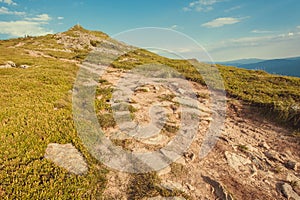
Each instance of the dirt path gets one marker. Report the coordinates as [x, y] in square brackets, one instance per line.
[249, 161]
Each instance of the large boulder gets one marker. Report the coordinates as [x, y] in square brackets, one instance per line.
[68, 157]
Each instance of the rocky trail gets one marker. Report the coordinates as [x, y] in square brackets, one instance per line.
[252, 159]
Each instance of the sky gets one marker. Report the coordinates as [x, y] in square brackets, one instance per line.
[226, 29]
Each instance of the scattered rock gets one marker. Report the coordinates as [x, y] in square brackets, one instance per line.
[288, 192]
[173, 186]
[164, 171]
[24, 66]
[292, 178]
[294, 182]
[156, 140]
[190, 187]
[273, 155]
[11, 64]
[165, 198]
[264, 145]
[235, 161]
[190, 156]
[219, 189]
[67, 156]
[181, 161]
[156, 88]
[290, 164]
[142, 89]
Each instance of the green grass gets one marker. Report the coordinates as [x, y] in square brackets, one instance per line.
[36, 110]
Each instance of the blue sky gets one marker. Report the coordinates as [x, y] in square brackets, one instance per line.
[227, 29]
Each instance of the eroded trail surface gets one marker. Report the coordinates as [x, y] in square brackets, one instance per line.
[252, 158]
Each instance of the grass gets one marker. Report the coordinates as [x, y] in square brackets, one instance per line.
[243, 148]
[36, 110]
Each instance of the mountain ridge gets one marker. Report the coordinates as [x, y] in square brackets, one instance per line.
[281, 66]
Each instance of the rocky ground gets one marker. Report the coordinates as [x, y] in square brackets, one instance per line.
[253, 158]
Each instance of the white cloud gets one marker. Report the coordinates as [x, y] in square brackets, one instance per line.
[174, 26]
[9, 2]
[60, 18]
[298, 27]
[201, 5]
[276, 45]
[221, 22]
[258, 41]
[233, 8]
[22, 28]
[42, 17]
[6, 11]
[261, 31]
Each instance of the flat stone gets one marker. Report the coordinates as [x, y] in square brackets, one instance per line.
[164, 171]
[272, 155]
[11, 63]
[288, 192]
[173, 186]
[142, 89]
[292, 178]
[68, 157]
[219, 189]
[235, 161]
[165, 198]
[290, 164]
[156, 140]
[24, 66]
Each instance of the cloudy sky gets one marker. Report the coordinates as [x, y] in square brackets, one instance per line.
[227, 29]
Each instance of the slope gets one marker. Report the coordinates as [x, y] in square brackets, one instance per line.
[36, 109]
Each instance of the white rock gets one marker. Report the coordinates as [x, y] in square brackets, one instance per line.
[68, 157]
[235, 161]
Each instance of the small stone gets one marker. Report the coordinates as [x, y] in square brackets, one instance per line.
[164, 171]
[264, 145]
[235, 161]
[181, 161]
[291, 165]
[190, 187]
[142, 89]
[190, 156]
[11, 63]
[172, 186]
[219, 189]
[165, 198]
[208, 119]
[156, 88]
[288, 192]
[24, 66]
[272, 155]
[292, 178]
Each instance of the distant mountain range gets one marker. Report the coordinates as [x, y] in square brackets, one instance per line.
[283, 66]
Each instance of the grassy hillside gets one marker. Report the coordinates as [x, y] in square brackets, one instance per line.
[36, 109]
